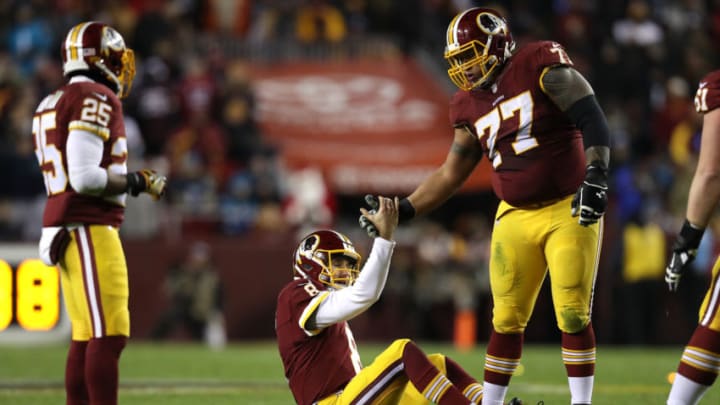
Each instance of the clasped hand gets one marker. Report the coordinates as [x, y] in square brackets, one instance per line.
[365, 223]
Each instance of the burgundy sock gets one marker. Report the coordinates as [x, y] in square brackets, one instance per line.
[459, 377]
[468, 385]
[422, 372]
[579, 352]
[101, 369]
[703, 339]
[75, 388]
[506, 348]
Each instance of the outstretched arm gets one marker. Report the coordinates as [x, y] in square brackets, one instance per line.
[345, 304]
[349, 302]
[463, 157]
[465, 153]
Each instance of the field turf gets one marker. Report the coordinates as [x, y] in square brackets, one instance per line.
[251, 373]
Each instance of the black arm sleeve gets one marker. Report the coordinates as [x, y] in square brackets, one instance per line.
[589, 118]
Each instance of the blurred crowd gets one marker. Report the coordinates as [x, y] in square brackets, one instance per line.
[192, 114]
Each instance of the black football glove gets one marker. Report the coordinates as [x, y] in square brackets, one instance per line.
[148, 181]
[683, 253]
[590, 199]
[365, 223]
[406, 212]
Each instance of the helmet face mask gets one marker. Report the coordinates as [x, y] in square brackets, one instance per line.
[478, 45]
[98, 48]
[340, 271]
[327, 258]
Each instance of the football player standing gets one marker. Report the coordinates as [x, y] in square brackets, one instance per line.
[318, 351]
[538, 122]
[700, 362]
[80, 145]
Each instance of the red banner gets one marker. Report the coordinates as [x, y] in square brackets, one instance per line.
[369, 126]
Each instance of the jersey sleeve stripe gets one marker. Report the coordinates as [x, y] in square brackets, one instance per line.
[540, 80]
[309, 310]
[102, 132]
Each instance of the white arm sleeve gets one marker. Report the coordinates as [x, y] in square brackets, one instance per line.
[84, 153]
[347, 303]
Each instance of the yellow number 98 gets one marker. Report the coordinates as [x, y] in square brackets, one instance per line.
[38, 289]
[5, 294]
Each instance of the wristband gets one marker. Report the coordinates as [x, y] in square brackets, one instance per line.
[597, 172]
[406, 211]
[690, 235]
[135, 183]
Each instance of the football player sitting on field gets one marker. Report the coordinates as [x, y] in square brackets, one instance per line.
[321, 360]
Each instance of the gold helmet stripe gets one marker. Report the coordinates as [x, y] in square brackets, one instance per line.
[452, 28]
[69, 41]
[74, 41]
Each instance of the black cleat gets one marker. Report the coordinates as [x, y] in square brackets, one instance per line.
[515, 401]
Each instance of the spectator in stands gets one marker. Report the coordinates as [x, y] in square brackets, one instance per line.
[238, 115]
[29, 39]
[433, 285]
[23, 195]
[309, 203]
[642, 273]
[676, 108]
[319, 21]
[154, 102]
[639, 39]
[239, 208]
[227, 17]
[469, 275]
[195, 293]
[197, 149]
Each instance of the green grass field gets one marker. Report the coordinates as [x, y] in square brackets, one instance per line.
[251, 373]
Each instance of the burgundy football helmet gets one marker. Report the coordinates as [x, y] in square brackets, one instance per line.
[96, 47]
[477, 37]
[314, 260]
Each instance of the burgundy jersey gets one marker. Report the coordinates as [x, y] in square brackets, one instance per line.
[317, 363]
[707, 97]
[536, 152]
[94, 108]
